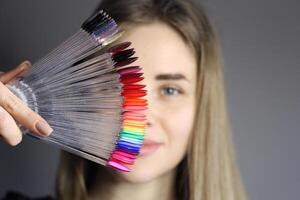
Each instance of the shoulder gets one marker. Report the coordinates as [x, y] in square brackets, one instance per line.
[12, 195]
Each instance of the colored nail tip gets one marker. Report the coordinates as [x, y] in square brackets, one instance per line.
[140, 100]
[140, 125]
[138, 137]
[136, 90]
[128, 70]
[135, 108]
[128, 155]
[133, 122]
[135, 118]
[132, 80]
[129, 142]
[131, 75]
[144, 104]
[123, 55]
[124, 52]
[125, 62]
[133, 128]
[130, 147]
[135, 100]
[132, 91]
[123, 159]
[129, 150]
[134, 104]
[140, 134]
[135, 94]
[118, 166]
[133, 114]
[132, 140]
[119, 47]
[133, 87]
[99, 19]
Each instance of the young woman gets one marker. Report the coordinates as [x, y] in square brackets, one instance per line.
[188, 152]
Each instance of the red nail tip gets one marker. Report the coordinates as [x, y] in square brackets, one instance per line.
[128, 155]
[133, 87]
[131, 80]
[137, 95]
[126, 62]
[115, 49]
[123, 159]
[134, 91]
[132, 75]
[132, 113]
[136, 99]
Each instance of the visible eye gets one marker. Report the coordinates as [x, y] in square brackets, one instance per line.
[170, 90]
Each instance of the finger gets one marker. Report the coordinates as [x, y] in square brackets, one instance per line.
[9, 131]
[10, 75]
[23, 114]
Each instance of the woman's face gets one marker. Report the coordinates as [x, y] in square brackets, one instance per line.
[169, 68]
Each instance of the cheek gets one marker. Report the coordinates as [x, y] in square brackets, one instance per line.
[177, 127]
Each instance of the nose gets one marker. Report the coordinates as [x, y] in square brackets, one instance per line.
[149, 111]
[148, 123]
[149, 114]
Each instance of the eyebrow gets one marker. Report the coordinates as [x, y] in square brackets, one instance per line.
[171, 77]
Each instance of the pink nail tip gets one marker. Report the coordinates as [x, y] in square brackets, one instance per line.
[118, 166]
[121, 153]
[123, 159]
[135, 108]
[134, 114]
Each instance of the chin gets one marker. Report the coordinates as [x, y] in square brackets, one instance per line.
[146, 170]
[141, 173]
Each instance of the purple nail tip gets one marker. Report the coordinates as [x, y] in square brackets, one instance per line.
[126, 62]
[119, 47]
[129, 70]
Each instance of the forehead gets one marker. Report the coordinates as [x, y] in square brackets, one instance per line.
[160, 49]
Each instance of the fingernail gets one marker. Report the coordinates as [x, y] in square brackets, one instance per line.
[24, 65]
[43, 128]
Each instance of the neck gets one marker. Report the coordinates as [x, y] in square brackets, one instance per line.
[109, 186]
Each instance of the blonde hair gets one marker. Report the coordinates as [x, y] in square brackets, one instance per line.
[209, 170]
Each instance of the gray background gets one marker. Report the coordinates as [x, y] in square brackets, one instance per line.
[261, 52]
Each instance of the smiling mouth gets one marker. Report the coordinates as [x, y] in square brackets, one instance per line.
[149, 147]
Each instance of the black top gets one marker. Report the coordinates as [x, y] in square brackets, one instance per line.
[18, 196]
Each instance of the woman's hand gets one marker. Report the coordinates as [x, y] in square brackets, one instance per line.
[13, 110]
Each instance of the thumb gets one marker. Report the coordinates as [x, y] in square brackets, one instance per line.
[14, 73]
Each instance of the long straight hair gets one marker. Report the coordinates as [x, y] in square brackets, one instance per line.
[209, 170]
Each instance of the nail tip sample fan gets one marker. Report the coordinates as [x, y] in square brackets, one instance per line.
[90, 95]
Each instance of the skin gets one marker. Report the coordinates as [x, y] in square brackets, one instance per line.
[169, 68]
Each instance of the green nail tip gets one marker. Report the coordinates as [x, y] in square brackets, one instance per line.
[129, 135]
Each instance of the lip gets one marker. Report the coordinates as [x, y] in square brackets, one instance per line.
[149, 147]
